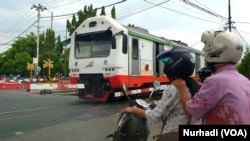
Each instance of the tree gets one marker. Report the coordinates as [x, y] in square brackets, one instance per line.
[103, 11]
[8, 67]
[59, 46]
[58, 66]
[49, 41]
[113, 14]
[244, 66]
[131, 25]
[25, 44]
[81, 16]
[22, 58]
[65, 61]
[14, 61]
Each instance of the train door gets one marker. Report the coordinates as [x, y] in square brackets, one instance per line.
[135, 58]
[158, 66]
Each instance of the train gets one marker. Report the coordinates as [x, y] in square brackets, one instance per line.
[105, 54]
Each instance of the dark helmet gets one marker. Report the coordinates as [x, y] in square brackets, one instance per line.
[177, 62]
[203, 73]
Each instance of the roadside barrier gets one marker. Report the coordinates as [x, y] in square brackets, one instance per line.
[42, 86]
[11, 86]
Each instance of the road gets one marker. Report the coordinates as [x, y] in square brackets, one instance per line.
[26, 116]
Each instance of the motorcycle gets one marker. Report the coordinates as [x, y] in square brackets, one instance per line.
[131, 127]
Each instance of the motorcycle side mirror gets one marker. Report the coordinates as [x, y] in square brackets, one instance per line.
[156, 85]
[125, 91]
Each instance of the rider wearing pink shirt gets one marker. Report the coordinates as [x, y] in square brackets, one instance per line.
[224, 97]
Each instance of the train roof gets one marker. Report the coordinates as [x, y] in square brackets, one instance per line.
[141, 32]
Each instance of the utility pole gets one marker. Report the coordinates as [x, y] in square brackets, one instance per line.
[51, 34]
[65, 47]
[50, 38]
[38, 8]
[229, 16]
[51, 20]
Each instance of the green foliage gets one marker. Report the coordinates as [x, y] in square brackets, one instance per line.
[113, 12]
[22, 58]
[81, 16]
[49, 41]
[244, 66]
[131, 25]
[59, 46]
[8, 67]
[57, 64]
[103, 11]
[27, 44]
[14, 61]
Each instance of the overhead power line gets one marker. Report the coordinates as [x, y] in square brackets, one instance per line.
[203, 9]
[19, 35]
[142, 10]
[159, 5]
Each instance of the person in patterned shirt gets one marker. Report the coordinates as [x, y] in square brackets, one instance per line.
[224, 97]
[178, 63]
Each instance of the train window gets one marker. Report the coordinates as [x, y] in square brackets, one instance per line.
[92, 24]
[92, 45]
[135, 49]
[197, 62]
[113, 42]
[125, 44]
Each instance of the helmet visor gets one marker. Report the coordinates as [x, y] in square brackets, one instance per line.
[165, 60]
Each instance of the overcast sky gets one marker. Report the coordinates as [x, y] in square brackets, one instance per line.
[171, 19]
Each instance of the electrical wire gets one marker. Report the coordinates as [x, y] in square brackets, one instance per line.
[64, 4]
[237, 32]
[64, 15]
[18, 34]
[203, 9]
[192, 10]
[142, 10]
[20, 23]
[126, 12]
[184, 13]
[51, 3]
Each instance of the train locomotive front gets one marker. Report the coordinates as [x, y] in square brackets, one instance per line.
[105, 54]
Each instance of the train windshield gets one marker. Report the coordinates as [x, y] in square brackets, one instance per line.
[93, 45]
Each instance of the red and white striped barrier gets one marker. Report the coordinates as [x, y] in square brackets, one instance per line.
[52, 86]
[14, 86]
[55, 86]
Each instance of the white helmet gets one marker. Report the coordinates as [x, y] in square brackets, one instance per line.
[221, 46]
